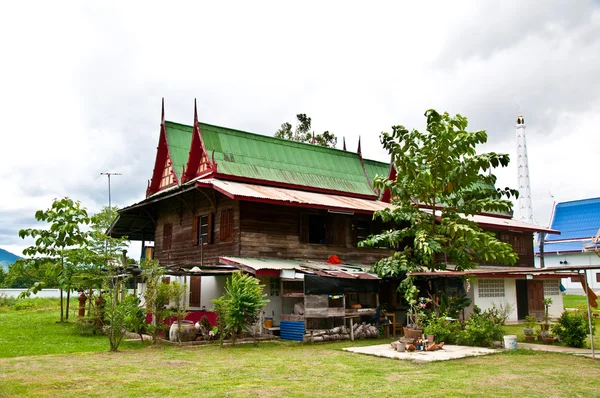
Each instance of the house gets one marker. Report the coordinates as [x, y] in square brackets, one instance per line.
[577, 245]
[222, 199]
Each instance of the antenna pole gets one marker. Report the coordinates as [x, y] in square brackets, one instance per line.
[108, 174]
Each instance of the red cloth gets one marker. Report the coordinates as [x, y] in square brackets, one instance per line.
[334, 259]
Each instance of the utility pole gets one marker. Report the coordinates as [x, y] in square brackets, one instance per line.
[108, 174]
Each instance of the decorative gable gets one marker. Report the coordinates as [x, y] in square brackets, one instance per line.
[198, 161]
[164, 173]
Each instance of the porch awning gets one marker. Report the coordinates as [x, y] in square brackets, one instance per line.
[341, 271]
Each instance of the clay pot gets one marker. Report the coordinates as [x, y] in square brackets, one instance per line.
[530, 338]
[412, 333]
[188, 331]
[528, 331]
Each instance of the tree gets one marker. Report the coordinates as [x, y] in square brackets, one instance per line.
[440, 180]
[303, 133]
[26, 273]
[65, 218]
[157, 296]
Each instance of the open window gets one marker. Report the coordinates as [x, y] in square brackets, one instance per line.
[330, 229]
[202, 229]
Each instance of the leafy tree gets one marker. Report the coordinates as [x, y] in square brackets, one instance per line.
[26, 273]
[241, 303]
[156, 296]
[303, 132]
[440, 180]
[65, 218]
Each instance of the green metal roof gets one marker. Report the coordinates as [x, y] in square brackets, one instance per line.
[242, 154]
[179, 139]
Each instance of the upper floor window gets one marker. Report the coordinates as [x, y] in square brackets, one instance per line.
[167, 236]
[202, 229]
[226, 225]
[519, 242]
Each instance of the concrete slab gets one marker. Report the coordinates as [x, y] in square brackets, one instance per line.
[447, 353]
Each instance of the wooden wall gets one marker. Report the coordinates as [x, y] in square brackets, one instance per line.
[522, 243]
[180, 212]
[272, 231]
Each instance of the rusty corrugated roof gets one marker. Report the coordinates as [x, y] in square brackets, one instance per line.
[262, 193]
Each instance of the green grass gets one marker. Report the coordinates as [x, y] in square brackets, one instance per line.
[575, 301]
[36, 332]
[267, 369]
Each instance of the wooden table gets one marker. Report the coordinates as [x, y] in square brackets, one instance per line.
[392, 317]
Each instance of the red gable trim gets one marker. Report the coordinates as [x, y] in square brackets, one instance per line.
[162, 153]
[387, 195]
[197, 151]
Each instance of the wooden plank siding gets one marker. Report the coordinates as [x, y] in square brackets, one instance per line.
[272, 231]
[180, 213]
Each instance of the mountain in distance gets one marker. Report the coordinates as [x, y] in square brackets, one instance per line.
[7, 258]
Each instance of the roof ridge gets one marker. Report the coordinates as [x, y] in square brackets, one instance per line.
[578, 200]
[282, 140]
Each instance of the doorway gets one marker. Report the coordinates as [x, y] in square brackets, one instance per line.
[522, 301]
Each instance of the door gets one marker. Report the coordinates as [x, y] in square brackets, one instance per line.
[535, 297]
[195, 283]
[522, 302]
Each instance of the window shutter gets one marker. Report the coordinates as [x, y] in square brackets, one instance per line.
[195, 224]
[209, 238]
[303, 228]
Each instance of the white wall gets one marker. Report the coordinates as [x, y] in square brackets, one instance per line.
[211, 287]
[573, 259]
[510, 298]
[53, 293]
[274, 306]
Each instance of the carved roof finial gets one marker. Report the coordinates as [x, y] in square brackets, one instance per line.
[520, 119]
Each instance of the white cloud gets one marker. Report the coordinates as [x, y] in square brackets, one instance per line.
[82, 83]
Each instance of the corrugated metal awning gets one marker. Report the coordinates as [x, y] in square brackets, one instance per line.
[253, 265]
[292, 197]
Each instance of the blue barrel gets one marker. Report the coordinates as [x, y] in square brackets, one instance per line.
[291, 330]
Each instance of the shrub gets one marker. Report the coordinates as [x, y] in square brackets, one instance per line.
[442, 329]
[572, 328]
[6, 301]
[482, 329]
[241, 303]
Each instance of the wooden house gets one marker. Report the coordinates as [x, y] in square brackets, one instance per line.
[222, 199]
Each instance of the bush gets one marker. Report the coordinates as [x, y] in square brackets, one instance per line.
[241, 304]
[442, 329]
[482, 329]
[6, 301]
[572, 328]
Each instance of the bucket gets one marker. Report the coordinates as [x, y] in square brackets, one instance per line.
[510, 342]
[268, 322]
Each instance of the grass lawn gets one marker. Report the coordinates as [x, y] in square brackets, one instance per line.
[271, 369]
[576, 301]
[35, 332]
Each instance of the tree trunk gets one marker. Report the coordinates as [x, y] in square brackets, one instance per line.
[61, 306]
[68, 300]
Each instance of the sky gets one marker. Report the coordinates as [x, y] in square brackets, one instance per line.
[81, 85]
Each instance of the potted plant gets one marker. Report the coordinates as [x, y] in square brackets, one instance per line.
[416, 316]
[530, 322]
[546, 325]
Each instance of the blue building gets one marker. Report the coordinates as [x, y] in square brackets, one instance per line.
[578, 244]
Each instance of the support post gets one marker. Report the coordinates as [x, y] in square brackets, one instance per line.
[587, 296]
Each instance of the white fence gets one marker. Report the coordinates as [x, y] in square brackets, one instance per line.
[53, 293]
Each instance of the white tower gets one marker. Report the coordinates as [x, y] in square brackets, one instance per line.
[525, 207]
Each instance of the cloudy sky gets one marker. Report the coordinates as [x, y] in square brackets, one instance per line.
[81, 85]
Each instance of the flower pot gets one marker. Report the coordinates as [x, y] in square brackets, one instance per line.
[548, 340]
[528, 331]
[529, 338]
[400, 347]
[412, 333]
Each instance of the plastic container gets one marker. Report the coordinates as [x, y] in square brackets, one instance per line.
[268, 322]
[510, 342]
